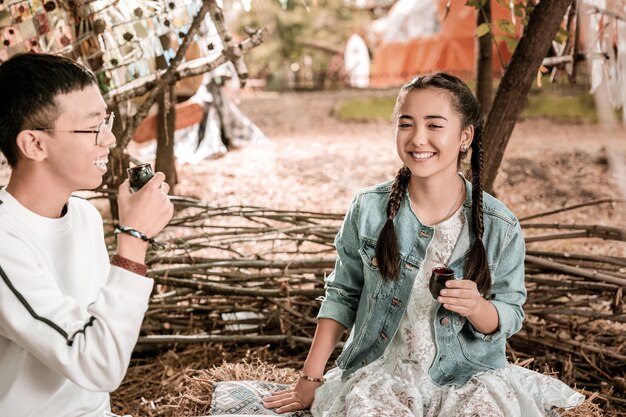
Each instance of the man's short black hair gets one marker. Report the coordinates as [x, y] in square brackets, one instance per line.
[29, 85]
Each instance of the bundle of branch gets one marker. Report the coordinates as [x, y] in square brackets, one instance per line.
[575, 314]
[249, 276]
[238, 275]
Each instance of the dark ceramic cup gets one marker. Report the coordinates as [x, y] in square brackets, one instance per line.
[139, 176]
[438, 280]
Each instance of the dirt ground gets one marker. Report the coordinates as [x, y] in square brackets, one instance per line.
[313, 161]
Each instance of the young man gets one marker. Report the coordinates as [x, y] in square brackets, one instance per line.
[69, 317]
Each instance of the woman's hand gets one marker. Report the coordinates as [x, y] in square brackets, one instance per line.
[299, 397]
[462, 297]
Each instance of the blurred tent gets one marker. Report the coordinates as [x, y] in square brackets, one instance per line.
[357, 61]
[418, 36]
[207, 125]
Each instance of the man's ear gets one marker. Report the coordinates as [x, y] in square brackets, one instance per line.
[31, 145]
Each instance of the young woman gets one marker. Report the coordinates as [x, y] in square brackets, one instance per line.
[410, 354]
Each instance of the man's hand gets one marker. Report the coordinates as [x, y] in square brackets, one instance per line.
[147, 211]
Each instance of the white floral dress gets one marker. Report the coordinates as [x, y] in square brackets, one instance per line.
[398, 384]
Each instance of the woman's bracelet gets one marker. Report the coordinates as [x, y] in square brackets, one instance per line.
[137, 234]
[312, 378]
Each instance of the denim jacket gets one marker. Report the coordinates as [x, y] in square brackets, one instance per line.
[359, 299]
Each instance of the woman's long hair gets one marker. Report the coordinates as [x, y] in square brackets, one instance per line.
[467, 107]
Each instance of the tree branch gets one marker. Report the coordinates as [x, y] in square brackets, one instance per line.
[511, 95]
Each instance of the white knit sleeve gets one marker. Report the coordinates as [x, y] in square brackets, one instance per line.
[92, 346]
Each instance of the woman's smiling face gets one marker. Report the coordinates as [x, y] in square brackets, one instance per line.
[429, 133]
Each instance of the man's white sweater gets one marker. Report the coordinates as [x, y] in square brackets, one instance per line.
[68, 319]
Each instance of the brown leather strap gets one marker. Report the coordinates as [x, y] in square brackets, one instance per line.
[127, 264]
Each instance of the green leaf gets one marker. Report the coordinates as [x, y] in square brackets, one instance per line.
[510, 41]
[506, 26]
[562, 35]
[519, 9]
[511, 44]
[482, 29]
[477, 4]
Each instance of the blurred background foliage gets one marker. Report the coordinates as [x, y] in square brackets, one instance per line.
[304, 37]
[560, 102]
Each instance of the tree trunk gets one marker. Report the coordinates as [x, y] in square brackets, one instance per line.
[118, 162]
[166, 125]
[570, 48]
[220, 108]
[515, 84]
[576, 47]
[484, 79]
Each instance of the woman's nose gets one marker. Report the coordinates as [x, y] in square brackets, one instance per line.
[419, 137]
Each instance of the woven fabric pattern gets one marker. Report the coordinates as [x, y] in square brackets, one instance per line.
[244, 397]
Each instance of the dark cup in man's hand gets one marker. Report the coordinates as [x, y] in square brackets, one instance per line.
[139, 176]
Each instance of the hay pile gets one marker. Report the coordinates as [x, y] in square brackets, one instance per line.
[181, 383]
[178, 390]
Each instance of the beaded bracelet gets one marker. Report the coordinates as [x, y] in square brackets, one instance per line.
[312, 378]
[137, 234]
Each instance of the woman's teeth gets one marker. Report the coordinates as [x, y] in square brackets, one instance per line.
[422, 155]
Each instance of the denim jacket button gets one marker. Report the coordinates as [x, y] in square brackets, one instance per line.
[396, 302]
[423, 234]
[383, 336]
[449, 377]
[374, 262]
[444, 321]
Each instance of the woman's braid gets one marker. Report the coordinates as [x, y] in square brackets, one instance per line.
[387, 250]
[477, 265]
[477, 186]
[398, 189]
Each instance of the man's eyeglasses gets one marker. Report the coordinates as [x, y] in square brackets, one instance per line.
[105, 126]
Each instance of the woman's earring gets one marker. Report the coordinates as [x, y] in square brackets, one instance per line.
[464, 148]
